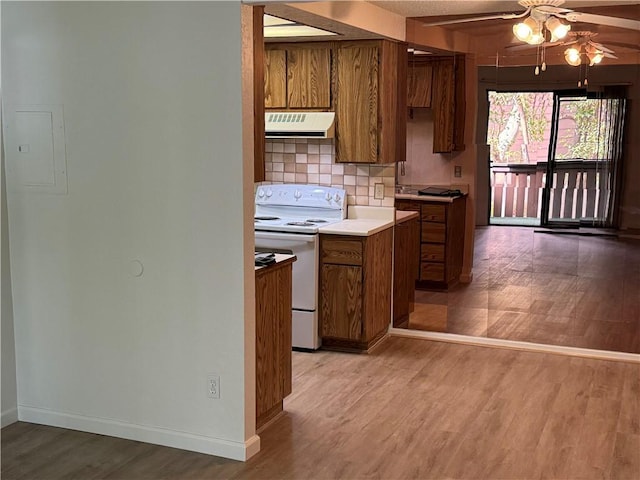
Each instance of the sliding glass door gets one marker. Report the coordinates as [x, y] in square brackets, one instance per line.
[583, 163]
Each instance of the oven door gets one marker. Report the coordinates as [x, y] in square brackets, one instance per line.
[305, 277]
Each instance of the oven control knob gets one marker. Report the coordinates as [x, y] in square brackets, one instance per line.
[269, 193]
[297, 194]
[336, 197]
[260, 193]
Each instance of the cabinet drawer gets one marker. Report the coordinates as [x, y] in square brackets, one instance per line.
[408, 205]
[432, 253]
[432, 271]
[433, 232]
[434, 213]
[341, 251]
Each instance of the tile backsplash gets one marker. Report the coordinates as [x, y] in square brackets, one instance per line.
[312, 161]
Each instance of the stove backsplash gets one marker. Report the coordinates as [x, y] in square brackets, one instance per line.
[312, 162]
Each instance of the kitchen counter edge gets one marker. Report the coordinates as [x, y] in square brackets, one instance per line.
[281, 259]
[357, 227]
[405, 215]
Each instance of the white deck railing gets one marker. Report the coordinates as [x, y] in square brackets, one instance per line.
[516, 191]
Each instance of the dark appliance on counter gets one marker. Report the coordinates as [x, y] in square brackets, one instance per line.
[440, 192]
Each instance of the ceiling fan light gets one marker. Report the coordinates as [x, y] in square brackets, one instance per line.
[525, 31]
[558, 29]
[522, 31]
[595, 57]
[536, 39]
[572, 57]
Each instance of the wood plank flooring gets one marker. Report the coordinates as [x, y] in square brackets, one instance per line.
[411, 409]
[576, 291]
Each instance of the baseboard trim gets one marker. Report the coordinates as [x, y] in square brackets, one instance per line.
[516, 345]
[8, 417]
[169, 438]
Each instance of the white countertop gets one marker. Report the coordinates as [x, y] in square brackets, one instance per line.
[360, 227]
[280, 257]
[362, 221]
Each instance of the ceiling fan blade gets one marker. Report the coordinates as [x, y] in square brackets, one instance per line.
[599, 46]
[552, 10]
[501, 16]
[630, 46]
[603, 20]
[609, 55]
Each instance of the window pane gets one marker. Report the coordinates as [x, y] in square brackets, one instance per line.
[583, 129]
[519, 126]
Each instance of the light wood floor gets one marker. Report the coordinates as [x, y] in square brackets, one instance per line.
[577, 291]
[412, 409]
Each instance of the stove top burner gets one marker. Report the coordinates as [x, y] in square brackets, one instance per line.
[266, 218]
[316, 220]
[300, 224]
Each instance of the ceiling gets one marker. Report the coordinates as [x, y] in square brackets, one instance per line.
[487, 35]
[422, 8]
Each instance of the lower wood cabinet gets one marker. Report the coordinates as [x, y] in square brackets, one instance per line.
[406, 254]
[273, 339]
[355, 286]
[442, 227]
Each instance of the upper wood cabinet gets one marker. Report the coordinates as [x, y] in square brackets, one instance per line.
[309, 77]
[443, 104]
[363, 82]
[357, 90]
[275, 79]
[370, 101]
[298, 76]
[439, 83]
[419, 84]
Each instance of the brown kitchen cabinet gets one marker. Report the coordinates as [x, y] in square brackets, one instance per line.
[273, 339]
[406, 254]
[419, 81]
[370, 101]
[298, 76]
[439, 83]
[355, 286]
[441, 241]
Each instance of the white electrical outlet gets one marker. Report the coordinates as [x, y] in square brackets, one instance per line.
[213, 386]
[378, 191]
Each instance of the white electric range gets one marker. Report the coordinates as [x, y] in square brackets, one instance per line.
[287, 219]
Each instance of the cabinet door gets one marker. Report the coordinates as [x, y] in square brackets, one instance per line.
[460, 106]
[309, 77]
[273, 337]
[402, 274]
[443, 106]
[357, 104]
[419, 87]
[341, 301]
[275, 78]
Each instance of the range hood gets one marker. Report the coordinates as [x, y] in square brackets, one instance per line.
[299, 124]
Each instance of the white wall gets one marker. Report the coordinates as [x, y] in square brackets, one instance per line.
[9, 394]
[151, 94]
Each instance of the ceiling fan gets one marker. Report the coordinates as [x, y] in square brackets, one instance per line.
[581, 46]
[549, 14]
